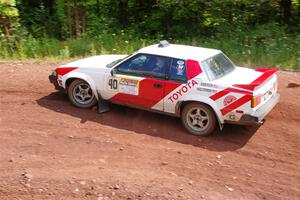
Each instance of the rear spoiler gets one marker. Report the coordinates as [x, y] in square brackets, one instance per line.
[267, 73]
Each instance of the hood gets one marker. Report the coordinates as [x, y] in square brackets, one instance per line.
[95, 61]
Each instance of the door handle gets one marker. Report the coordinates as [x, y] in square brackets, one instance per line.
[157, 85]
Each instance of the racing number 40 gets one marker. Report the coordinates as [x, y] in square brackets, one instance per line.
[113, 84]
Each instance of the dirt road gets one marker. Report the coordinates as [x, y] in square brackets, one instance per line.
[52, 150]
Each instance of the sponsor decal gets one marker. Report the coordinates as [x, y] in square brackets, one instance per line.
[241, 101]
[112, 84]
[182, 90]
[180, 67]
[206, 90]
[229, 99]
[129, 86]
[180, 62]
[124, 85]
[209, 85]
[128, 82]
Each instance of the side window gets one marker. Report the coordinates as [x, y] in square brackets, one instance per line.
[159, 66]
[145, 65]
[178, 70]
[134, 64]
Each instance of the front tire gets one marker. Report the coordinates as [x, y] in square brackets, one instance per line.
[198, 119]
[81, 94]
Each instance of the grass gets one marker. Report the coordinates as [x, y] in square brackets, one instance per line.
[253, 49]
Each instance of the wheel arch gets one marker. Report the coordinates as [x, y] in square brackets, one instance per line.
[200, 99]
[69, 78]
[69, 81]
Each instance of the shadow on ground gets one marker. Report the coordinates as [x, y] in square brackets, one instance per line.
[231, 138]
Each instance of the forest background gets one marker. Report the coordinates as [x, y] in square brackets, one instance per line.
[263, 33]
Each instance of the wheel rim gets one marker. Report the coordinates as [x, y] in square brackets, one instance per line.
[197, 119]
[83, 93]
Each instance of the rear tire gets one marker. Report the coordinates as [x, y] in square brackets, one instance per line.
[81, 94]
[198, 119]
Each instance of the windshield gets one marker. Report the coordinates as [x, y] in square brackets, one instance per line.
[110, 65]
[217, 66]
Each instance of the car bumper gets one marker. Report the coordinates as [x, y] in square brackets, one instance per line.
[53, 80]
[258, 116]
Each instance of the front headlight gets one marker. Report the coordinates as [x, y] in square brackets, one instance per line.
[54, 73]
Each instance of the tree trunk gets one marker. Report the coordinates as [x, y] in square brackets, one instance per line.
[299, 10]
[83, 19]
[286, 6]
[49, 5]
[6, 26]
[9, 23]
[123, 13]
[167, 20]
[98, 8]
[6, 29]
[77, 28]
[69, 18]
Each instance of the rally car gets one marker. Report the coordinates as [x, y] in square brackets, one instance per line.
[200, 85]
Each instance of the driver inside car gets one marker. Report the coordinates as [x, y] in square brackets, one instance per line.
[160, 64]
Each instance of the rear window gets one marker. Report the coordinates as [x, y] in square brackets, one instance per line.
[217, 66]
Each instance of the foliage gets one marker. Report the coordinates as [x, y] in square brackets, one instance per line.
[264, 46]
[7, 8]
[257, 32]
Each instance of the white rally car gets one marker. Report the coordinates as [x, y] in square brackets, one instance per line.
[200, 85]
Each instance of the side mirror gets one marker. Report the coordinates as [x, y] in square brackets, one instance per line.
[113, 71]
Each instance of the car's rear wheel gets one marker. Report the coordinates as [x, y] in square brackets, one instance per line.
[199, 119]
[81, 94]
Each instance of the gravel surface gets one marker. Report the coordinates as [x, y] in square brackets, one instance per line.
[52, 150]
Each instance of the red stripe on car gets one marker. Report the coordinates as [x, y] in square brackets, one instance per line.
[64, 70]
[266, 74]
[265, 69]
[193, 69]
[222, 93]
[244, 99]
[148, 95]
[219, 94]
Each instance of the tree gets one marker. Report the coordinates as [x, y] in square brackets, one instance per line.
[174, 18]
[7, 11]
[123, 12]
[286, 6]
[69, 18]
[77, 29]
[83, 14]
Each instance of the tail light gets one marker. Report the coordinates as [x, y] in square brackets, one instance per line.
[255, 101]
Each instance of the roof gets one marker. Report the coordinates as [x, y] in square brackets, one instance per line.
[180, 51]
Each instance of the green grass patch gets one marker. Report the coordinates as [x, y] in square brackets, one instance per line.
[264, 49]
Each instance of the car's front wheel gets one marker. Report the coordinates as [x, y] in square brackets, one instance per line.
[199, 119]
[81, 94]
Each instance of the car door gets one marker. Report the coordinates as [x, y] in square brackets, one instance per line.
[177, 77]
[139, 81]
[182, 79]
